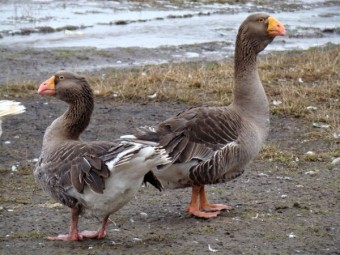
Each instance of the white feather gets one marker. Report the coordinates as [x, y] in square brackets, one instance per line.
[124, 156]
[128, 137]
[9, 107]
[132, 138]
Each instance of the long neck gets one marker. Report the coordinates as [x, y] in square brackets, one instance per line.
[73, 122]
[249, 94]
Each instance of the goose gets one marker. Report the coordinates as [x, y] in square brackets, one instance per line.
[94, 178]
[210, 145]
[9, 107]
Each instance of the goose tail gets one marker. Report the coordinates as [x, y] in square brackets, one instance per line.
[9, 107]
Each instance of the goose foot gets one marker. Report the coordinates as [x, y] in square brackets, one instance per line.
[74, 235]
[215, 207]
[194, 206]
[79, 236]
[69, 237]
[93, 234]
[205, 206]
[200, 207]
[100, 234]
[205, 215]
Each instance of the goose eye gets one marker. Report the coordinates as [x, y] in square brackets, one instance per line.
[261, 20]
[61, 77]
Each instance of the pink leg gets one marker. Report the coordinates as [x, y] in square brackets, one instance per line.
[73, 235]
[100, 234]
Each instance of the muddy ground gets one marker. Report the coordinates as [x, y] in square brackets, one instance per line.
[279, 209]
[290, 206]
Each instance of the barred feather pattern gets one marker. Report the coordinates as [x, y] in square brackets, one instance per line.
[222, 167]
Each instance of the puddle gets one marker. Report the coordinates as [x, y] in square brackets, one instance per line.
[111, 24]
[134, 33]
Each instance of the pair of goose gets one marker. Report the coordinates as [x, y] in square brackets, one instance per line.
[199, 146]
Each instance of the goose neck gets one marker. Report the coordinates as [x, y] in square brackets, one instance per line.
[73, 122]
[248, 91]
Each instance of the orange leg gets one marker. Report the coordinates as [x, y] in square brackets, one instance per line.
[194, 206]
[205, 206]
[74, 235]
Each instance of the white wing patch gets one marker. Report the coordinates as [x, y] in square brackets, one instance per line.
[123, 157]
[128, 137]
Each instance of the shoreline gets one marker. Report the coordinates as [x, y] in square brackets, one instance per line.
[32, 65]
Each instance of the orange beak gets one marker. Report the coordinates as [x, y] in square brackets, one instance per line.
[275, 28]
[47, 88]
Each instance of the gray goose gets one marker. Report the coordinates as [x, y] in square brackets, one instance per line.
[9, 107]
[93, 178]
[211, 145]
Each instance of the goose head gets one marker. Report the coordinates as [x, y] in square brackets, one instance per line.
[66, 86]
[258, 30]
[77, 93]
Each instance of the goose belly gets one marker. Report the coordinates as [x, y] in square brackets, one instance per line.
[175, 176]
[126, 177]
[119, 190]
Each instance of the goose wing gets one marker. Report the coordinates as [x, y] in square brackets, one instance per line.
[76, 164]
[196, 133]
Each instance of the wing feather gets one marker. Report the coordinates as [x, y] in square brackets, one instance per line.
[77, 178]
[95, 182]
[196, 133]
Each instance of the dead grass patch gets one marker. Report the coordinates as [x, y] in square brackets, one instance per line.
[274, 154]
[191, 83]
[306, 82]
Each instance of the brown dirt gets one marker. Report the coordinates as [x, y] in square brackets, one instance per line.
[279, 209]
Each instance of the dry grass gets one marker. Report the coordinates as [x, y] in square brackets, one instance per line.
[273, 153]
[308, 84]
[191, 83]
[298, 79]
[305, 79]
